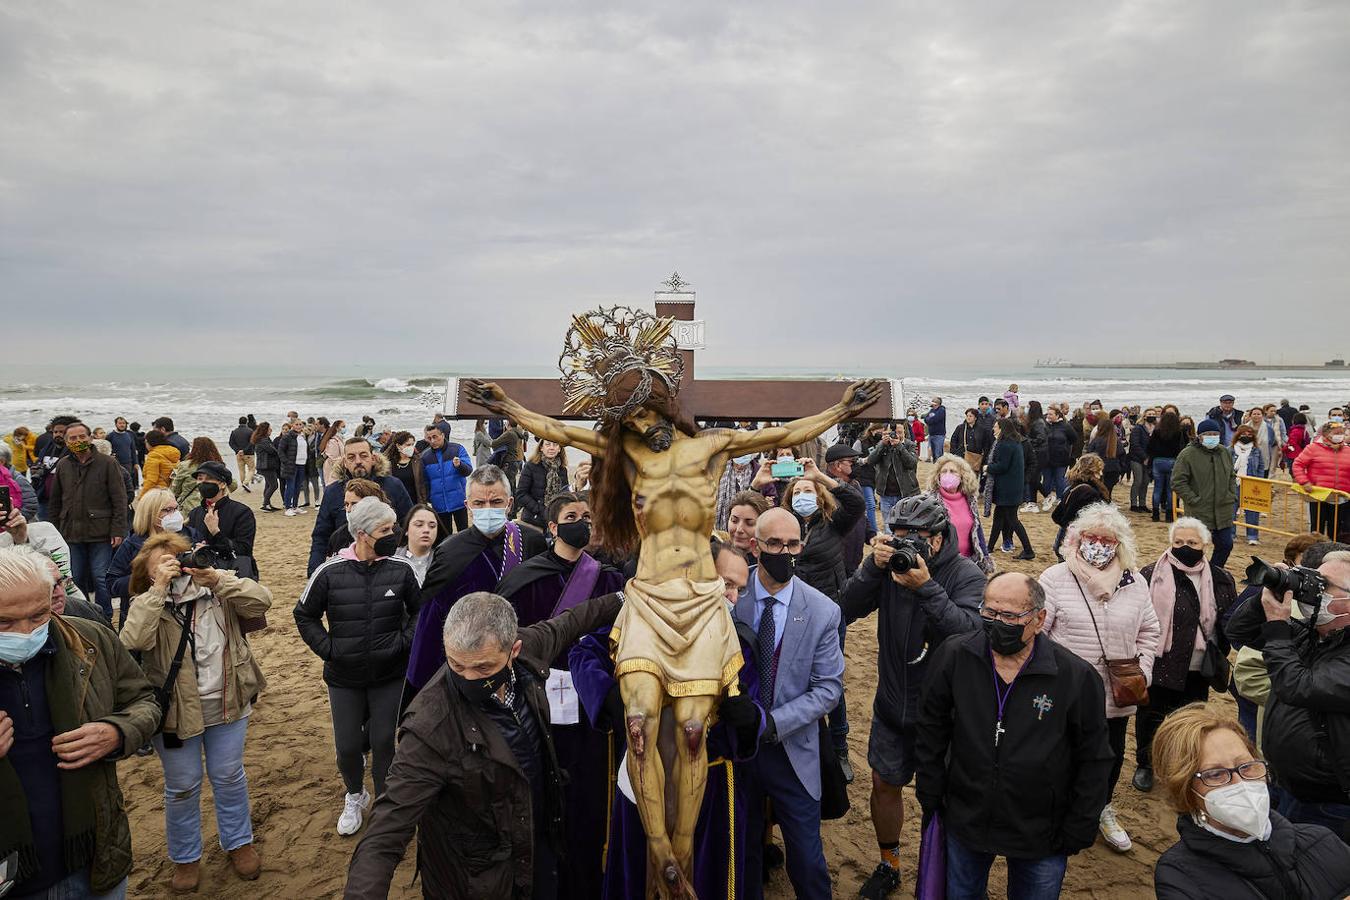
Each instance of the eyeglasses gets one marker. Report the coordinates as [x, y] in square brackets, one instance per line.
[1104, 539]
[1254, 770]
[1009, 618]
[774, 545]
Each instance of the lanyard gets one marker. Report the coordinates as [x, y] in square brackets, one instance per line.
[1002, 696]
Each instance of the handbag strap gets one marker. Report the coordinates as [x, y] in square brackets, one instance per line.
[1088, 604]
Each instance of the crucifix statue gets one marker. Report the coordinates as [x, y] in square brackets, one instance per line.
[674, 644]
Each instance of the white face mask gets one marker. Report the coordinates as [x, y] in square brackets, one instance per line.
[1243, 806]
[1324, 615]
[1097, 554]
[172, 522]
[1337, 438]
[408, 450]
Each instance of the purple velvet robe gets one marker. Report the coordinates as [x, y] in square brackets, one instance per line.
[720, 835]
[534, 588]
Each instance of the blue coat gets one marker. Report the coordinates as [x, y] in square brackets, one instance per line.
[445, 479]
[810, 679]
[936, 420]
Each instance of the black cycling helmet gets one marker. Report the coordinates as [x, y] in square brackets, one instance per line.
[922, 512]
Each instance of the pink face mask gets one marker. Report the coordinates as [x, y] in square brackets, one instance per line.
[949, 481]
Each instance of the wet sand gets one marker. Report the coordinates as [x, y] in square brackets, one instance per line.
[297, 793]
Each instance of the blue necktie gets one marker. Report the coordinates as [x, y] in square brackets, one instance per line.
[766, 650]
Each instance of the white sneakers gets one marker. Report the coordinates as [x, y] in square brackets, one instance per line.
[1047, 504]
[1029, 507]
[354, 813]
[290, 511]
[1115, 836]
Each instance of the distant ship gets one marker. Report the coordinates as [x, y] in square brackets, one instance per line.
[1332, 364]
[1054, 363]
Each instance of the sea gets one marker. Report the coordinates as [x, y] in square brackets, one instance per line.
[210, 400]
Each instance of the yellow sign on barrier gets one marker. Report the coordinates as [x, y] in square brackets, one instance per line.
[1256, 495]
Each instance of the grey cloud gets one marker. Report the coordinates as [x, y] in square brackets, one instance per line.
[940, 183]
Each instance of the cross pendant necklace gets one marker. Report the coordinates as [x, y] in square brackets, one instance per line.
[1001, 696]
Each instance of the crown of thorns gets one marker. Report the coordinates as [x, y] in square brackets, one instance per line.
[604, 345]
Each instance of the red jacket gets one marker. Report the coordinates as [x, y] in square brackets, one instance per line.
[1324, 465]
[1298, 439]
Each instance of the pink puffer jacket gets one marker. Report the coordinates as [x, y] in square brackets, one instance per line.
[1324, 465]
[1128, 624]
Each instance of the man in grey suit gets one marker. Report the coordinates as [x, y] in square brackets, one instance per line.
[801, 670]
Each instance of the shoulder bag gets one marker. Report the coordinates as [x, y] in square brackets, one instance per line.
[1125, 677]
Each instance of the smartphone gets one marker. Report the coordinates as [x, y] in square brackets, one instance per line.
[6, 505]
[787, 469]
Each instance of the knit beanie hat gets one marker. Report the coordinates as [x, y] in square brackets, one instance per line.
[1209, 425]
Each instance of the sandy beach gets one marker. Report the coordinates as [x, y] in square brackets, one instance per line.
[297, 793]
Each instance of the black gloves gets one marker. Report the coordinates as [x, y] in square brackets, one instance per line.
[741, 715]
[611, 715]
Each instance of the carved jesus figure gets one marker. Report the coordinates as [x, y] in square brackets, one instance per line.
[674, 642]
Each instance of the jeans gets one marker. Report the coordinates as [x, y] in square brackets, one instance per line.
[798, 817]
[290, 488]
[1139, 477]
[1007, 524]
[223, 746]
[1028, 879]
[361, 714]
[1162, 484]
[1115, 736]
[76, 886]
[870, 504]
[270, 488]
[1335, 816]
[1054, 481]
[89, 561]
[1223, 545]
[887, 504]
[935, 442]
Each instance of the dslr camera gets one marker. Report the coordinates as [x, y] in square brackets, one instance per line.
[1305, 584]
[203, 558]
[908, 551]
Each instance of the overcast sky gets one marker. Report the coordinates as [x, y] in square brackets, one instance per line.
[442, 183]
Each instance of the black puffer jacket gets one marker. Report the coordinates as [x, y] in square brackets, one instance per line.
[531, 492]
[821, 564]
[1306, 862]
[371, 610]
[1058, 444]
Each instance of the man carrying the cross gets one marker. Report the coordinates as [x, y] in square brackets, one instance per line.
[1012, 747]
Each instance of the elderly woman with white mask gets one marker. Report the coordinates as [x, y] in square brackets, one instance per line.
[1098, 606]
[369, 596]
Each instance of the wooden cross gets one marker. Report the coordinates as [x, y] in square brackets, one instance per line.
[705, 400]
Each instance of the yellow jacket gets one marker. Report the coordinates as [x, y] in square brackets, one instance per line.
[22, 451]
[157, 470]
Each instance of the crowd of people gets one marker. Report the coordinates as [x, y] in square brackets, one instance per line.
[461, 601]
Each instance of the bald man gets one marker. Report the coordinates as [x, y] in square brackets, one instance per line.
[801, 669]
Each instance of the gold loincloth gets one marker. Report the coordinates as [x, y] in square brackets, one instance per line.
[681, 632]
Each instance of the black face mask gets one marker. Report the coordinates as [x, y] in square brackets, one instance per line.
[575, 534]
[479, 691]
[1004, 639]
[385, 546]
[209, 490]
[780, 566]
[1150, 419]
[1188, 556]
